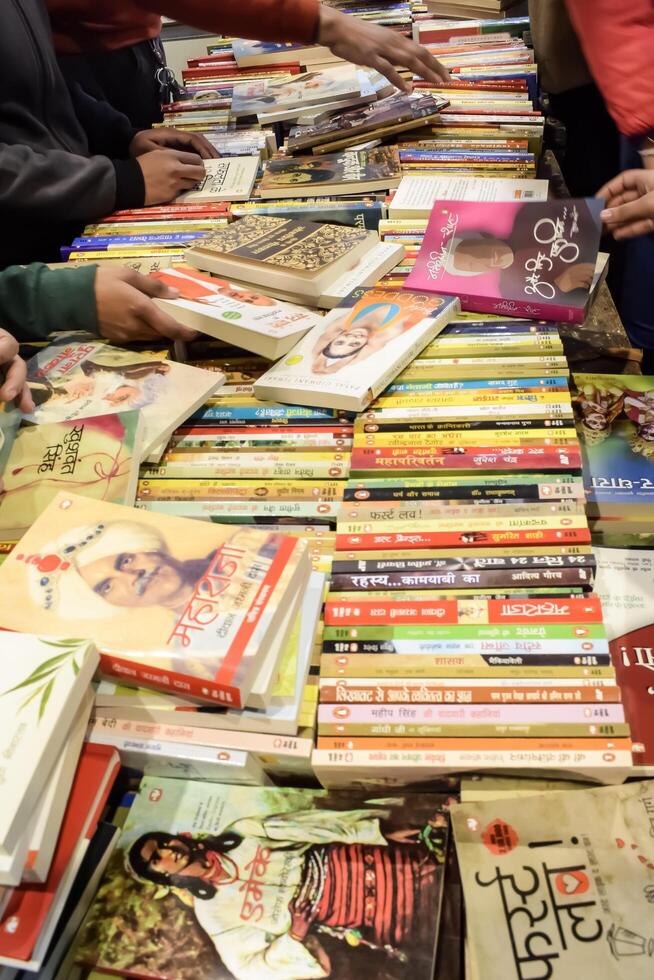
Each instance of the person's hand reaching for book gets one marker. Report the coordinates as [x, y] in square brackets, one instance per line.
[125, 310]
[169, 138]
[13, 387]
[629, 208]
[577, 276]
[167, 173]
[377, 47]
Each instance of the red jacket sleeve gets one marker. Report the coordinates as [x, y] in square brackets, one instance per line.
[260, 20]
[617, 37]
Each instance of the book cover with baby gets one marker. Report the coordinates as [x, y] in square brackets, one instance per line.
[533, 259]
[358, 349]
[183, 606]
[271, 883]
[72, 381]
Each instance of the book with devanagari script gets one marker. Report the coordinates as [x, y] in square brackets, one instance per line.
[271, 882]
[177, 605]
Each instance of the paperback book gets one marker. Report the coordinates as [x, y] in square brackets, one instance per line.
[519, 259]
[383, 329]
[297, 256]
[349, 172]
[74, 381]
[97, 457]
[244, 893]
[177, 605]
[226, 179]
[235, 314]
[263, 95]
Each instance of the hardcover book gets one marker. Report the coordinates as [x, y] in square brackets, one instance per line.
[520, 259]
[263, 95]
[349, 172]
[235, 314]
[176, 605]
[296, 256]
[256, 884]
[43, 684]
[227, 179]
[97, 457]
[74, 381]
[380, 329]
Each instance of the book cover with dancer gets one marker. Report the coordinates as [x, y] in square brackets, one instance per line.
[281, 884]
[514, 258]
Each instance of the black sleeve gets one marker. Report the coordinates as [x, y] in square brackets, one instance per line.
[108, 131]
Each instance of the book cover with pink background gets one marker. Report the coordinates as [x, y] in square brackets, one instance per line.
[514, 258]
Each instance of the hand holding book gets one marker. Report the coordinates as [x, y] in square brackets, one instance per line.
[629, 204]
[13, 374]
[125, 310]
[377, 47]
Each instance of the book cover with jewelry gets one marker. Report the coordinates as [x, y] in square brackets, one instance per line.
[73, 381]
[97, 457]
[559, 884]
[358, 349]
[178, 605]
[520, 259]
[275, 883]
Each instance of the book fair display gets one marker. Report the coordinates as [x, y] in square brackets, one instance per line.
[327, 635]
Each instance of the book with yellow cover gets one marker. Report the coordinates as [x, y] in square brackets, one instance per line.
[176, 605]
[96, 457]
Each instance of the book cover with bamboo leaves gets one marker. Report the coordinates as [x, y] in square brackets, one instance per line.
[43, 682]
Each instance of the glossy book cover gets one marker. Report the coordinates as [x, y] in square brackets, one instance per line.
[276, 883]
[625, 584]
[514, 258]
[361, 345]
[177, 605]
[97, 457]
[615, 420]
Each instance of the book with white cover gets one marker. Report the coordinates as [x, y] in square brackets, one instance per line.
[265, 95]
[235, 314]
[358, 349]
[30, 859]
[156, 757]
[226, 179]
[415, 196]
[44, 682]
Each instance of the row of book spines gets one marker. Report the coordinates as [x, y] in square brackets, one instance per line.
[359, 690]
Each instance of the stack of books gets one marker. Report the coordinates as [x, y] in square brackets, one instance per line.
[55, 789]
[460, 632]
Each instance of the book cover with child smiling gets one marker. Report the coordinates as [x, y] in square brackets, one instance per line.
[357, 350]
[516, 259]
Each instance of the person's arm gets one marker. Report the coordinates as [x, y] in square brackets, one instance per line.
[308, 22]
[618, 41]
[108, 131]
[111, 301]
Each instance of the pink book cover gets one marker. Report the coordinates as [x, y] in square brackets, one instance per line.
[468, 714]
[533, 259]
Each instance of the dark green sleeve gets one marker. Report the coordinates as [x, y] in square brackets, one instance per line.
[36, 300]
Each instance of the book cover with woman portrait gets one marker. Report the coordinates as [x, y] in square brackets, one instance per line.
[271, 884]
[514, 258]
[176, 605]
[358, 349]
